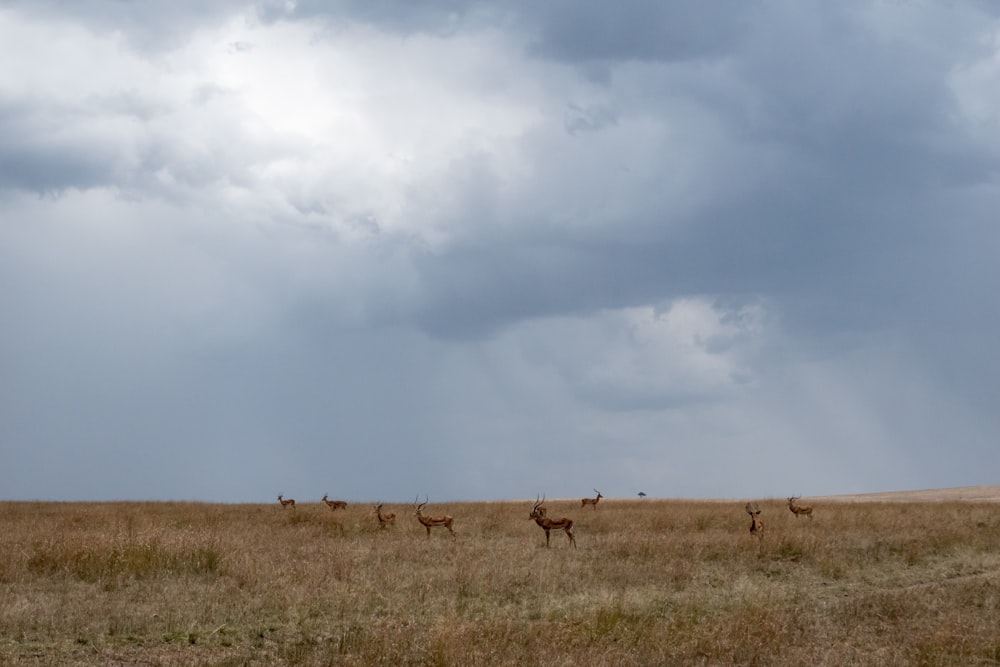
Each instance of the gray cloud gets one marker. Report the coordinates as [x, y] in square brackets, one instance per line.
[380, 250]
[639, 30]
[142, 28]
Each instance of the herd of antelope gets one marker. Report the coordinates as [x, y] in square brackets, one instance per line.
[757, 526]
[539, 513]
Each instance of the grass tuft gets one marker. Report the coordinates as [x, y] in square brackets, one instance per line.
[110, 560]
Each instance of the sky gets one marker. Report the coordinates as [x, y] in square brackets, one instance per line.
[477, 251]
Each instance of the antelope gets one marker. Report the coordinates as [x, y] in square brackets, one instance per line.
[431, 521]
[547, 524]
[385, 519]
[290, 502]
[335, 504]
[799, 509]
[591, 501]
[756, 525]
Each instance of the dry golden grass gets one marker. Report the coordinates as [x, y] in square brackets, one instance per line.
[651, 583]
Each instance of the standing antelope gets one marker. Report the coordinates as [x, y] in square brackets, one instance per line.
[547, 524]
[431, 521]
[756, 525]
[290, 502]
[385, 519]
[335, 504]
[799, 509]
[591, 501]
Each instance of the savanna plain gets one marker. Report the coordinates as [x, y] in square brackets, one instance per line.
[651, 582]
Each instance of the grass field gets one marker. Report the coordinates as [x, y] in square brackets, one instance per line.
[652, 582]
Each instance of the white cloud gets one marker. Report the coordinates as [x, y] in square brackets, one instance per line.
[648, 358]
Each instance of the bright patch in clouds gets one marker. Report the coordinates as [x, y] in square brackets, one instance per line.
[652, 358]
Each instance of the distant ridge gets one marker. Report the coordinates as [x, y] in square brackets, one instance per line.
[979, 494]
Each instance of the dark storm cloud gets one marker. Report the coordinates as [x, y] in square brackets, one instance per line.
[645, 30]
[102, 143]
[574, 32]
[870, 141]
[855, 233]
[42, 155]
[286, 239]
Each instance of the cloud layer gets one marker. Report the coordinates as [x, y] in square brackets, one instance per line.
[484, 251]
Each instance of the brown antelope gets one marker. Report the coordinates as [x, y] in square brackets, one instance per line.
[286, 502]
[431, 521]
[591, 501]
[547, 524]
[335, 504]
[385, 519]
[799, 509]
[756, 525]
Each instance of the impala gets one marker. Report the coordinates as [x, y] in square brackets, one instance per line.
[385, 519]
[431, 521]
[799, 509]
[335, 504]
[756, 525]
[286, 502]
[591, 501]
[547, 524]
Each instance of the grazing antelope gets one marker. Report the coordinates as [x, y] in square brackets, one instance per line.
[547, 524]
[385, 519]
[289, 502]
[756, 525]
[431, 521]
[335, 504]
[799, 509]
[591, 501]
